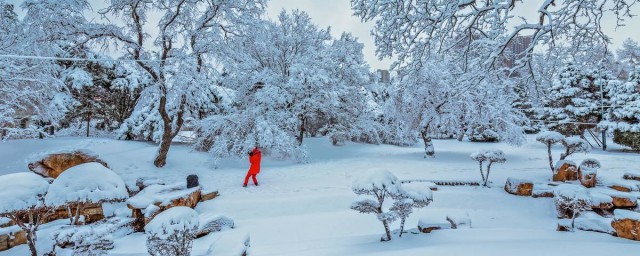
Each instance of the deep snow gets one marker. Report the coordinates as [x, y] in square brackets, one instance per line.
[303, 209]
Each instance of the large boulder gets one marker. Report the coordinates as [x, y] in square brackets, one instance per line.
[565, 170]
[155, 199]
[518, 187]
[52, 165]
[626, 224]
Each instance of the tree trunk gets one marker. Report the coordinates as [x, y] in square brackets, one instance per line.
[488, 171]
[550, 157]
[167, 132]
[165, 143]
[386, 230]
[428, 145]
[402, 226]
[88, 122]
[481, 171]
[31, 242]
[301, 131]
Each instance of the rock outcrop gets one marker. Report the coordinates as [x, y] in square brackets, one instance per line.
[52, 165]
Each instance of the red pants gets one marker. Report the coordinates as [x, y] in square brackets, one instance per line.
[253, 176]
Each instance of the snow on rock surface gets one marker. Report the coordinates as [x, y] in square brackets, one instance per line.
[171, 221]
[591, 221]
[90, 182]
[160, 194]
[620, 214]
[21, 191]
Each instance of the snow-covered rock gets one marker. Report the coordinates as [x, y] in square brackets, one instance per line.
[86, 183]
[626, 224]
[520, 187]
[631, 176]
[52, 165]
[542, 190]
[565, 170]
[22, 191]
[426, 225]
[588, 171]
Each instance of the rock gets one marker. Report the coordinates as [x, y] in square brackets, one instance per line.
[53, 165]
[518, 187]
[624, 202]
[620, 188]
[425, 226]
[192, 181]
[208, 196]
[11, 237]
[162, 197]
[601, 201]
[631, 176]
[565, 170]
[626, 224]
[587, 176]
[542, 190]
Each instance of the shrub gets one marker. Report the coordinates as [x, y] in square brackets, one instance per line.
[171, 233]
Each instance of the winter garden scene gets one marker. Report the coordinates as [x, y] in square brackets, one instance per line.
[308, 127]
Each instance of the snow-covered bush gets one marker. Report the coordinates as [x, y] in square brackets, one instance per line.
[171, 233]
[382, 185]
[412, 195]
[549, 138]
[491, 156]
[84, 241]
[574, 145]
[571, 200]
[22, 201]
[85, 184]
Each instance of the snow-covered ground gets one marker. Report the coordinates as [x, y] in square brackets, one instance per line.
[303, 209]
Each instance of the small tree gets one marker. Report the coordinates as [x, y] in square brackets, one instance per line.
[548, 139]
[573, 199]
[492, 156]
[574, 145]
[382, 185]
[172, 232]
[85, 184]
[22, 201]
[412, 195]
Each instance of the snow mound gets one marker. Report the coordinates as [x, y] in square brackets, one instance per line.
[21, 191]
[90, 182]
[620, 214]
[231, 243]
[376, 180]
[172, 221]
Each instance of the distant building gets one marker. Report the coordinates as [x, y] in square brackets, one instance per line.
[383, 76]
[516, 49]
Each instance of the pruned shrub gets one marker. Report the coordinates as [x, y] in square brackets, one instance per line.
[490, 156]
[171, 233]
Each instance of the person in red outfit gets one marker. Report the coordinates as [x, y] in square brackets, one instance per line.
[255, 156]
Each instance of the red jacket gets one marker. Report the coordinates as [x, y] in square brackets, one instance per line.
[254, 158]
